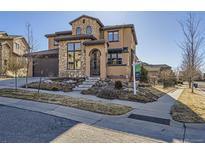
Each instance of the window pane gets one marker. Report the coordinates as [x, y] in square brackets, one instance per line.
[114, 58]
[71, 66]
[70, 60]
[114, 55]
[71, 57]
[77, 60]
[119, 55]
[70, 47]
[89, 30]
[78, 31]
[110, 36]
[119, 60]
[116, 36]
[77, 46]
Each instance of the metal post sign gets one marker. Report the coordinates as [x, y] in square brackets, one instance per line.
[137, 71]
[136, 74]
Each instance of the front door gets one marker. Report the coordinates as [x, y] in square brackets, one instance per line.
[95, 63]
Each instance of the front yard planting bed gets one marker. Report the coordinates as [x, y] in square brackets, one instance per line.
[190, 107]
[144, 94]
[56, 84]
[88, 105]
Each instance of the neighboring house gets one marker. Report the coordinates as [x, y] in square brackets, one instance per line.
[11, 46]
[89, 49]
[154, 71]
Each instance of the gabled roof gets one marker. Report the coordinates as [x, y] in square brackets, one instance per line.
[5, 43]
[11, 37]
[156, 67]
[86, 16]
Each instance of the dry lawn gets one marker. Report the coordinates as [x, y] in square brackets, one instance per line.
[89, 105]
[164, 90]
[191, 107]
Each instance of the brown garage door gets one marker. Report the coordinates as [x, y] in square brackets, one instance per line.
[47, 65]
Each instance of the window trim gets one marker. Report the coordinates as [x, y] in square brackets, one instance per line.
[73, 51]
[113, 36]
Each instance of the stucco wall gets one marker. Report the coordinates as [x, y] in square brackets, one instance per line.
[22, 47]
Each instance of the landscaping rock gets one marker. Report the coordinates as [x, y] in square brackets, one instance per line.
[48, 81]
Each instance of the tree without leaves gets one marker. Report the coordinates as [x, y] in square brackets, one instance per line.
[15, 65]
[192, 57]
[32, 46]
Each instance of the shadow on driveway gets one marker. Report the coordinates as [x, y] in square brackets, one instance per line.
[18, 125]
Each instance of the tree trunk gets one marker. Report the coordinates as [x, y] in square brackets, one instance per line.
[192, 88]
[39, 85]
[15, 81]
[189, 83]
[27, 74]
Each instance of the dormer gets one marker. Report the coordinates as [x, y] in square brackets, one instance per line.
[86, 25]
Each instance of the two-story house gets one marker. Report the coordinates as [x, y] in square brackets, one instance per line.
[89, 49]
[11, 46]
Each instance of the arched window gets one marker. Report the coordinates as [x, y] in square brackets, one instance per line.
[89, 30]
[78, 31]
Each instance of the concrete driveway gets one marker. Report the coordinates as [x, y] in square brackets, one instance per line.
[20, 81]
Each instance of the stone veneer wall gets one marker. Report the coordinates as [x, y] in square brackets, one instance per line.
[87, 22]
[63, 71]
[4, 55]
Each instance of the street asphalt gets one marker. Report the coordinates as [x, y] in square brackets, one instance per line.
[24, 126]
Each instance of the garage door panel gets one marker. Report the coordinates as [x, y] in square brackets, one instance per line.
[48, 67]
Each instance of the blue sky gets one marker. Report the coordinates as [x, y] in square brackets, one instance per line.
[157, 32]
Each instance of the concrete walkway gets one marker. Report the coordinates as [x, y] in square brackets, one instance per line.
[158, 132]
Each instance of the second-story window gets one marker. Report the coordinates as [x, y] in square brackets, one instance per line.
[17, 46]
[78, 31]
[89, 30]
[113, 36]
